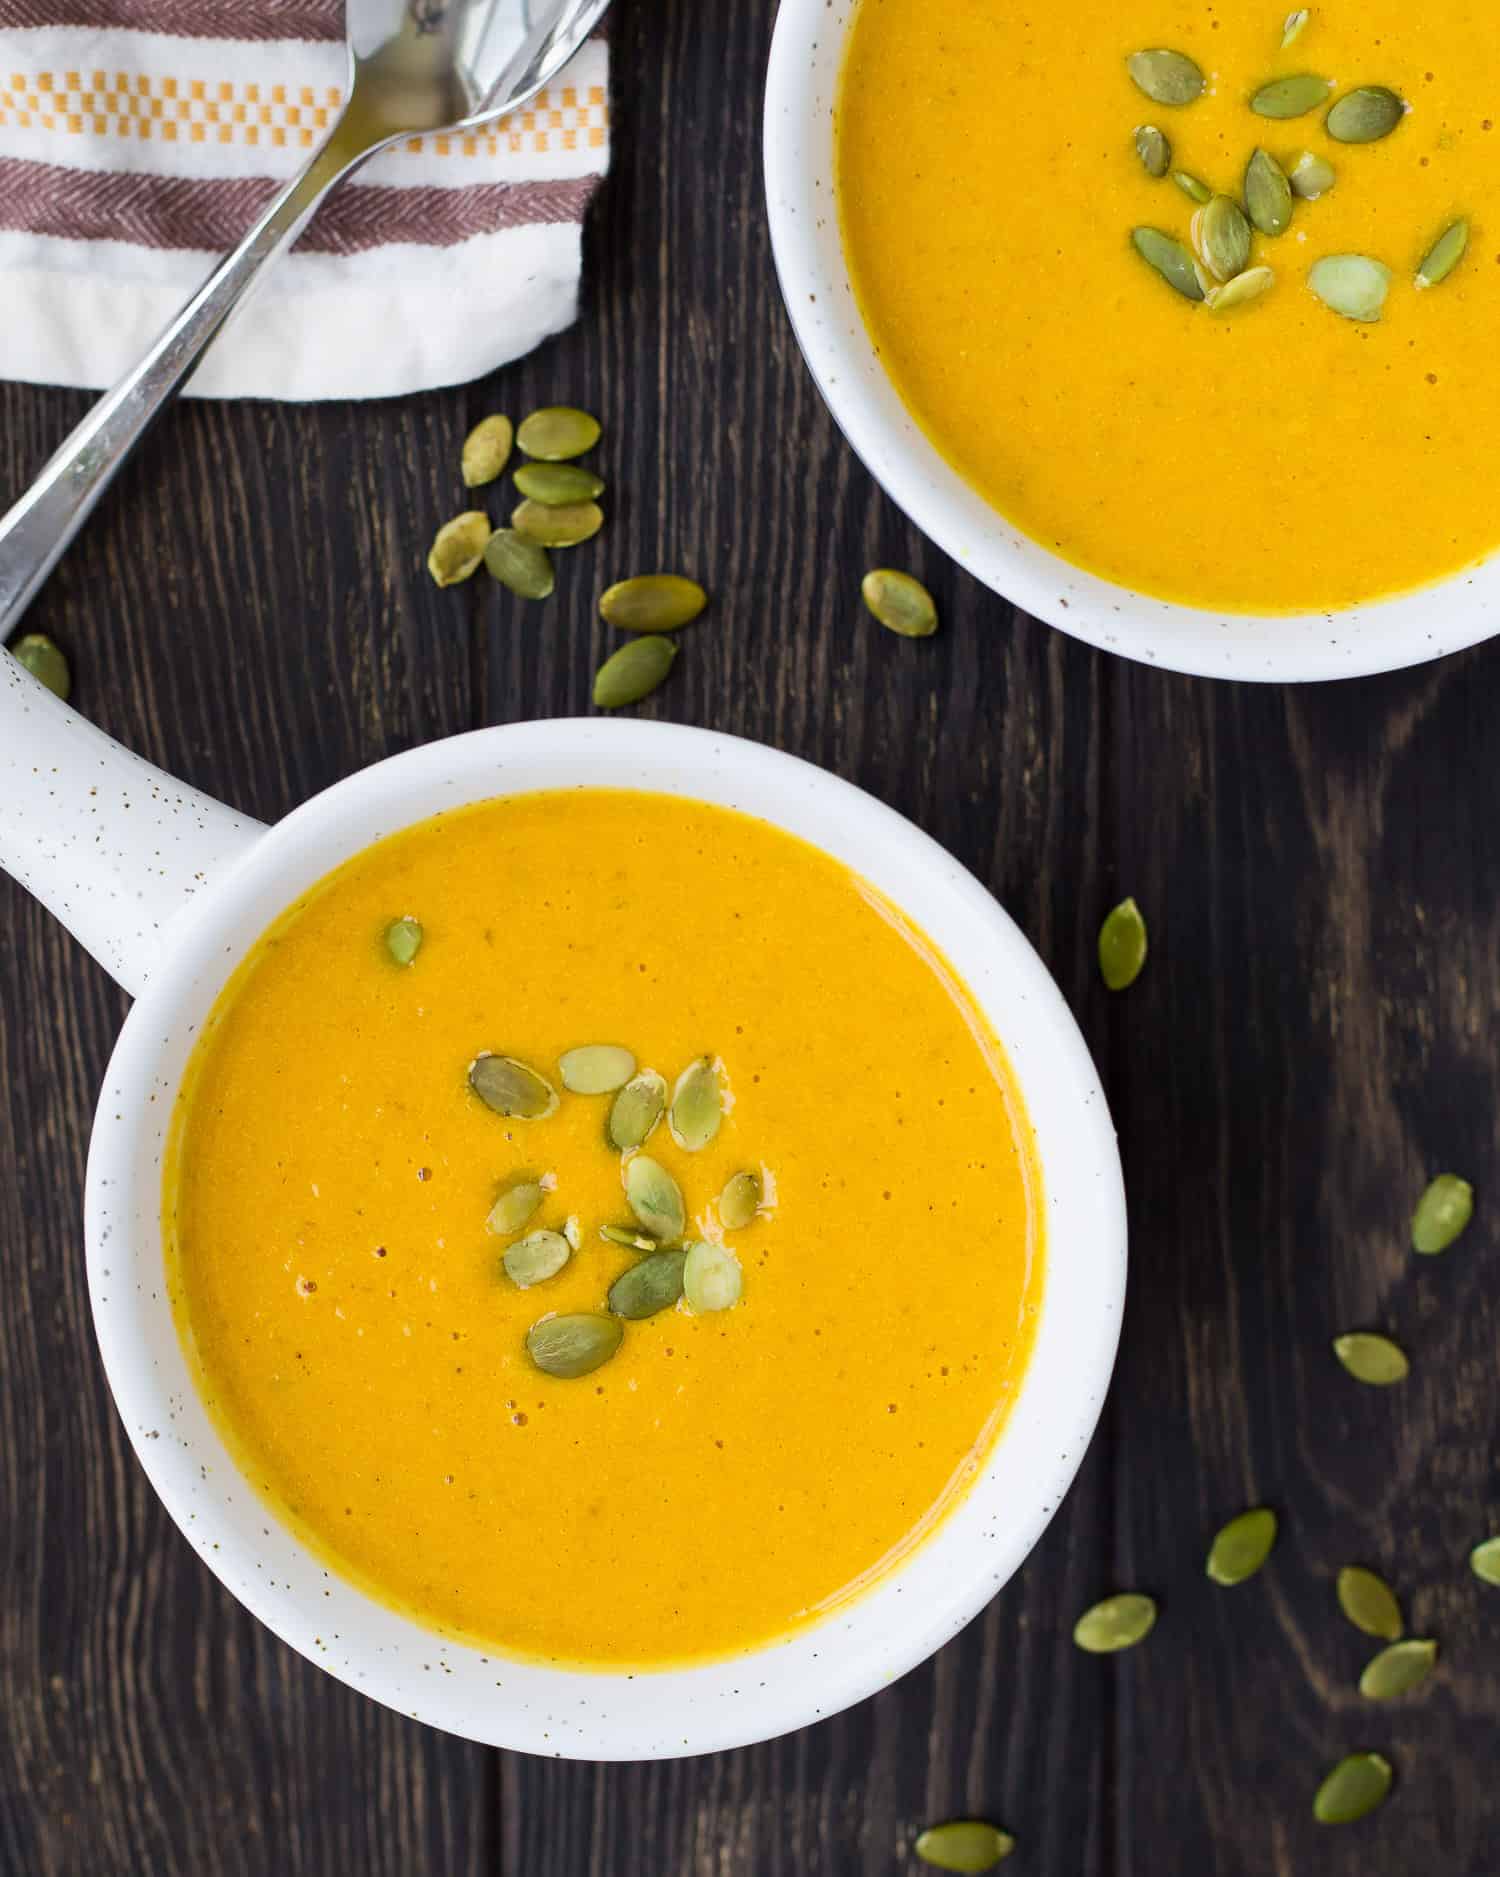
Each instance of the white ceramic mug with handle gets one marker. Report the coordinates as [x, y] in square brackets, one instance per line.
[169, 890]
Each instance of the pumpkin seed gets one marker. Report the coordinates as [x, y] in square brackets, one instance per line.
[697, 1105]
[519, 564]
[557, 433]
[1365, 115]
[654, 1197]
[740, 1201]
[458, 547]
[535, 1258]
[964, 1844]
[36, 653]
[1292, 96]
[653, 1284]
[636, 1110]
[514, 1210]
[1268, 194]
[1369, 1602]
[1170, 259]
[570, 1346]
[1192, 188]
[632, 1240]
[486, 450]
[711, 1278]
[403, 940]
[1351, 284]
[1441, 1215]
[558, 485]
[1241, 290]
[570, 526]
[901, 604]
[1292, 29]
[1242, 1547]
[1221, 235]
[1484, 1561]
[1398, 1668]
[1311, 176]
[1122, 946]
[652, 603]
[633, 672]
[573, 1232]
[511, 1089]
[1165, 77]
[596, 1068]
[1444, 255]
[1355, 1786]
[1116, 1623]
[1152, 148]
[1373, 1359]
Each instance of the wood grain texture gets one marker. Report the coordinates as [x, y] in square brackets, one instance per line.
[1314, 1035]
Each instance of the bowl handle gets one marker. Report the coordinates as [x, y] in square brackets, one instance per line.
[113, 846]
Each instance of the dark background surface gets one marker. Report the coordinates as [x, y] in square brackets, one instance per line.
[1313, 1036]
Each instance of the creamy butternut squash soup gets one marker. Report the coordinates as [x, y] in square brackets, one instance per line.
[603, 1227]
[1318, 433]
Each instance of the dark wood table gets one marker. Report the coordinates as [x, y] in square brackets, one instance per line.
[1315, 1033]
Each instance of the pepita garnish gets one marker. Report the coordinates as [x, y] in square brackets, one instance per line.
[1291, 30]
[1292, 96]
[1373, 1359]
[1441, 1215]
[652, 603]
[512, 1089]
[1355, 1786]
[403, 940]
[652, 1285]
[458, 547]
[1116, 1623]
[711, 1278]
[966, 1845]
[636, 1110]
[1398, 1668]
[1152, 147]
[1444, 255]
[901, 604]
[633, 672]
[1311, 176]
[1369, 1603]
[519, 564]
[632, 1239]
[1268, 194]
[1242, 1546]
[1166, 77]
[740, 1201]
[570, 1346]
[568, 526]
[595, 1068]
[486, 451]
[36, 653]
[1351, 284]
[1193, 188]
[1484, 1561]
[558, 485]
[1221, 234]
[1122, 946]
[557, 433]
[514, 1210]
[1241, 290]
[573, 1232]
[1170, 259]
[1364, 115]
[654, 1197]
[697, 1105]
[535, 1258]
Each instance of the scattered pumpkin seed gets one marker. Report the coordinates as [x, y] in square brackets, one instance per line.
[1355, 1786]
[1292, 96]
[573, 1232]
[1192, 188]
[633, 672]
[36, 653]
[514, 1210]
[965, 1845]
[486, 450]
[1116, 1623]
[632, 1239]
[636, 1110]
[697, 1106]
[558, 433]
[1369, 1603]
[558, 485]
[1484, 1561]
[901, 604]
[570, 1346]
[1311, 176]
[652, 1285]
[1241, 290]
[1165, 77]
[1170, 259]
[1364, 115]
[519, 564]
[654, 1197]
[1373, 1359]
[740, 1201]
[1296, 20]
[1351, 284]
[1444, 255]
[1242, 1547]
[652, 603]
[1221, 235]
[1152, 147]
[1441, 1215]
[1122, 946]
[535, 1258]
[511, 1089]
[458, 547]
[403, 940]
[1268, 194]
[711, 1279]
[1398, 1668]
[596, 1068]
[569, 526]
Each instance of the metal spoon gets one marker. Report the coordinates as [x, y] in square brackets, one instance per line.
[414, 65]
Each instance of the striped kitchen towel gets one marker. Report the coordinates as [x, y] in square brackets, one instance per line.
[139, 139]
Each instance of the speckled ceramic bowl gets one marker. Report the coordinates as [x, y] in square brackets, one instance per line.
[801, 91]
[169, 890]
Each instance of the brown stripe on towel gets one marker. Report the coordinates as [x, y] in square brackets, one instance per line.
[186, 19]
